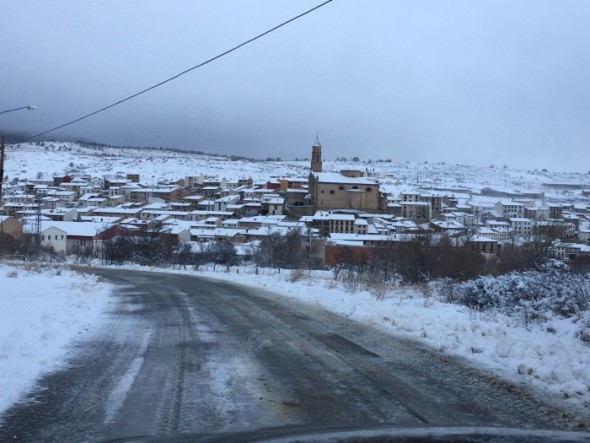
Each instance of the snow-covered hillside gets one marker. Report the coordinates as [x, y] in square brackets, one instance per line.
[45, 159]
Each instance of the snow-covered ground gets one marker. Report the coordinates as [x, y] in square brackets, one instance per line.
[44, 312]
[41, 314]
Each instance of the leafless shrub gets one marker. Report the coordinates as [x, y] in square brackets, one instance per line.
[377, 287]
[351, 280]
[534, 295]
[12, 274]
[296, 275]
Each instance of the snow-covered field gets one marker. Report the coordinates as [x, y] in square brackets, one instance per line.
[42, 312]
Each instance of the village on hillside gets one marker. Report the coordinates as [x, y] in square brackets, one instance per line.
[340, 215]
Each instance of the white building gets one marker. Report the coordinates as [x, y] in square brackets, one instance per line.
[521, 226]
[54, 238]
[510, 209]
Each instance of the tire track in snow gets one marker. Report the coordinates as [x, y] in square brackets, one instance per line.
[119, 393]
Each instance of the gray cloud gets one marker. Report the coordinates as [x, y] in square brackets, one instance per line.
[487, 82]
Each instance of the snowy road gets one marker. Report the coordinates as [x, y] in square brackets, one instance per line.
[182, 354]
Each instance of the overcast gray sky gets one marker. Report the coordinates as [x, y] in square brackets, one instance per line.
[471, 82]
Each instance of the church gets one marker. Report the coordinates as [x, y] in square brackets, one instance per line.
[347, 189]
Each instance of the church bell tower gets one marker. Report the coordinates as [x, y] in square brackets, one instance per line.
[316, 156]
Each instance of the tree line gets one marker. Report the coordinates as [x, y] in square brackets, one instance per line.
[420, 260]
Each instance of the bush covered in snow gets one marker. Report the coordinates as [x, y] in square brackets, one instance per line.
[535, 295]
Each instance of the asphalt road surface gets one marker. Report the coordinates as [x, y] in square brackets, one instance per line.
[183, 354]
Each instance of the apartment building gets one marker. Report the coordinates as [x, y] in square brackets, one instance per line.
[510, 209]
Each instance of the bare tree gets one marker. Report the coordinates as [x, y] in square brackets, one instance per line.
[147, 246]
[152, 245]
[9, 244]
[117, 250]
[292, 250]
[183, 255]
[383, 263]
[344, 258]
[281, 251]
[266, 254]
[223, 252]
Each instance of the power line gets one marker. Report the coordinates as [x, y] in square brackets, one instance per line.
[235, 48]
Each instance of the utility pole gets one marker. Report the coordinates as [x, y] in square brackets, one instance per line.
[1, 164]
[38, 200]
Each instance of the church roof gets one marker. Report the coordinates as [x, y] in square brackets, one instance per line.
[336, 177]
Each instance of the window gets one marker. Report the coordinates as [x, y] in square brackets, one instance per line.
[355, 187]
[369, 189]
[341, 188]
[332, 192]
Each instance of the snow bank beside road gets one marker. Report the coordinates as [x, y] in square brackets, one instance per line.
[41, 312]
[547, 356]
